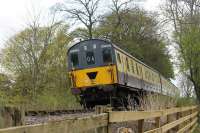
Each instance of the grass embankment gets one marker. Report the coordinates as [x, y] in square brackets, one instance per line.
[197, 130]
[52, 100]
[186, 101]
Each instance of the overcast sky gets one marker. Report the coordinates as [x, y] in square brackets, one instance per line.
[14, 14]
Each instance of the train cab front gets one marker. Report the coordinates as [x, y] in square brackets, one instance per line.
[92, 68]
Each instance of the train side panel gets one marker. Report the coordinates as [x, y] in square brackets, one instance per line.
[151, 80]
[127, 74]
[136, 75]
[168, 88]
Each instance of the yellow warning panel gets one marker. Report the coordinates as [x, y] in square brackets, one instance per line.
[94, 76]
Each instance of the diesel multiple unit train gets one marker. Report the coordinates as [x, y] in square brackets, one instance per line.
[102, 73]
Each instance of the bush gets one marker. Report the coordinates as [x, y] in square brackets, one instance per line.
[186, 101]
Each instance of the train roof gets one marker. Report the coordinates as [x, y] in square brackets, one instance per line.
[118, 48]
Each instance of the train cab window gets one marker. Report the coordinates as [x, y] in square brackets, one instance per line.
[119, 58]
[90, 58]
[107, 56]
[74, 59]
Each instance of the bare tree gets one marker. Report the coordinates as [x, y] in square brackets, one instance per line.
[84, 11]
[119, 6]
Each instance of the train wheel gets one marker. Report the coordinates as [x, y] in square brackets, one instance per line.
[133, 102]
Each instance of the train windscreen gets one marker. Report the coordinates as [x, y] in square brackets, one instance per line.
[107, 55]
[74, 59]
[90, 54]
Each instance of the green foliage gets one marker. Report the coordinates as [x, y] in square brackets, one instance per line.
[80, 33]
[51, 101]
[197, 130]
[4, 82]
[135, 31]
[190, 49]
[189, 52]
[185, 101]
[186, 37]
[5, 86]
[37, 57]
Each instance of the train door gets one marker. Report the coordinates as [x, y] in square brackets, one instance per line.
[126, 69]
[142, 77]
[123, 71]
[120, 67]
[123, 74]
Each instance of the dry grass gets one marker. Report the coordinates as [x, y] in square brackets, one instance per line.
[152, 102]
[156, 102]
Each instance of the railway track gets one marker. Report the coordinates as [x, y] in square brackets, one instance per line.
[43, 116]
[57, 112]
[38, 117]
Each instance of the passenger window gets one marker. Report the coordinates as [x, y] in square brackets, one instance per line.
[147, 75]
[141, 73]
[90, 57]
[107, 56]
[132, 67]
[137, 69]
[74, 59]
[152, 77]
[127, 64]
[119, 58]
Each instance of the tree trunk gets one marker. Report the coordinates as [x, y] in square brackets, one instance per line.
[90, 31]
[197, 91]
